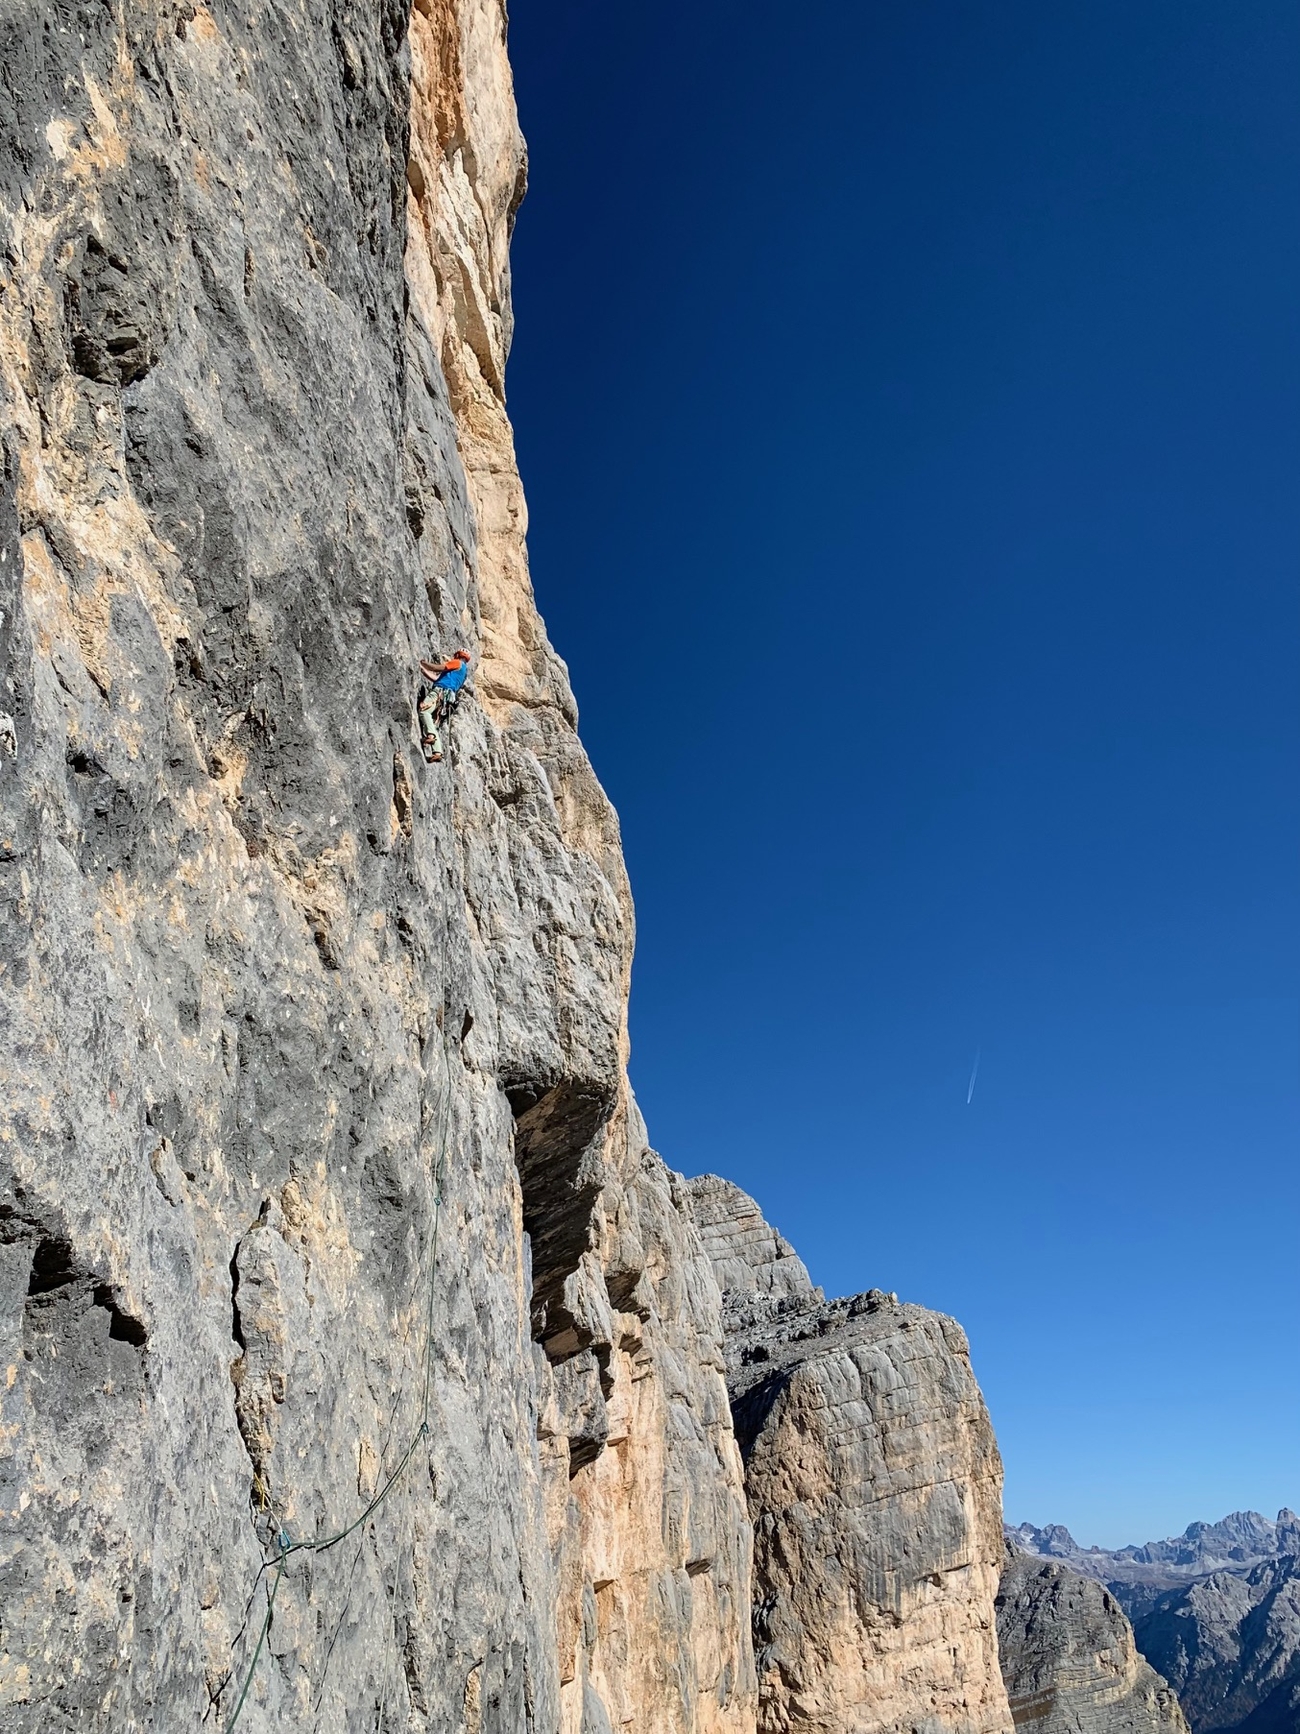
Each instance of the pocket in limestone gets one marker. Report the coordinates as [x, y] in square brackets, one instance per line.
[120, 283]
[108, 323]
[80, 1342]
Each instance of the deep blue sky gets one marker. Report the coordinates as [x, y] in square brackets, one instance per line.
[908, 400]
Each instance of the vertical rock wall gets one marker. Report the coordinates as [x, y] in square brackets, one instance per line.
[641, 1476]
[363, 1367]
[278, 998]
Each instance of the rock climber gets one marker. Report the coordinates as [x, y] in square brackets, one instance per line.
[450, 675]
[437, 700]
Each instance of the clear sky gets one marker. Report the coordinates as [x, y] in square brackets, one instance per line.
[908, 401]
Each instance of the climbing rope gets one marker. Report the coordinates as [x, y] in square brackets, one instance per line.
[399, 1566]
[323, 1544]
[261, 1639]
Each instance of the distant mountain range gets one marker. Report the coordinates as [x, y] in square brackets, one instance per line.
[1137, 1575]
[1215, 1610]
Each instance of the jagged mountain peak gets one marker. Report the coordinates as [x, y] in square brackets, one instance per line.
[1238, 1538]
[1229, 1643]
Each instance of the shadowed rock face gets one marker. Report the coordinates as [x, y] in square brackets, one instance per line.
[874, 1487]
[271, 987]
[1069, 1658]
[1231, 1645]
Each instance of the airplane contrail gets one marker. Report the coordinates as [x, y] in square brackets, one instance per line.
[974, 1073]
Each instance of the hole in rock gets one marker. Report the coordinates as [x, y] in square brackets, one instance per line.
[52, 1267]
[121, 1326]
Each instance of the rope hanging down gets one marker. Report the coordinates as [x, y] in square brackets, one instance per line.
[322, 1544]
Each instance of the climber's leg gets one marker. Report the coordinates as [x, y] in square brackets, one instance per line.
[427, 709]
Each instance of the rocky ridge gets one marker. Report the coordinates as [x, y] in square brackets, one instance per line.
[1215, 1610]
[874, 1483]
[1137, 1575]
[1230, 1644]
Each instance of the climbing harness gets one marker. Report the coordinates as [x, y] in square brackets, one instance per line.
[285, 1545]
[438, 700]
[434, 706]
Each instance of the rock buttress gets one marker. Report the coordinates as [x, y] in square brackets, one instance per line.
[277, 997]
[874, 1486]
[1069, 1659]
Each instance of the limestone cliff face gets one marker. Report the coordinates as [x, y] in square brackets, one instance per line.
[335, 1268]
[874, 1485]
[1069, 1657]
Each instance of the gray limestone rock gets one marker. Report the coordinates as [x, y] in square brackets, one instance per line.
[342, 1302]
[873, 1483]
[752, 1263]
[1069, 1658]
[363, 1365]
